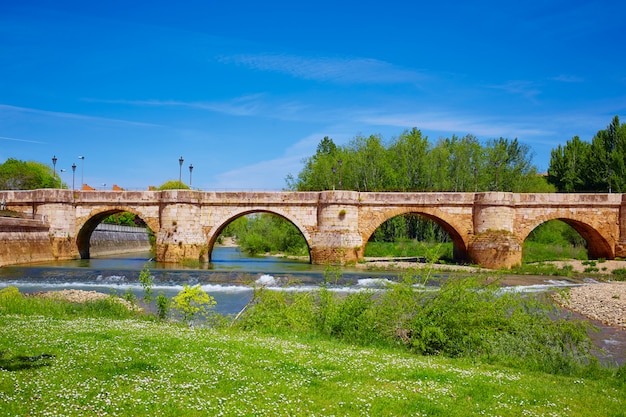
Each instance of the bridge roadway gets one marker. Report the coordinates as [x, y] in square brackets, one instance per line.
[487, 228]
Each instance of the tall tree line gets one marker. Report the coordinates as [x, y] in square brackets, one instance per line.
[596, 166]
[410, 162]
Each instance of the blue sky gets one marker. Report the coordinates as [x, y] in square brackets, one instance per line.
[244, 90]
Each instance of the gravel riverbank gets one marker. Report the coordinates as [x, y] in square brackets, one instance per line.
[605, 302]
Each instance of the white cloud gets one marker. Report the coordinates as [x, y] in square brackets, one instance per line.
[453, 123]
[75, 116]
[338, 70]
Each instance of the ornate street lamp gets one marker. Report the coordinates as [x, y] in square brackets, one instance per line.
[180, 173]
[54, 172]
[190, 170]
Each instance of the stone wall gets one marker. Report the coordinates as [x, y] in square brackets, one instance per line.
[23, 241]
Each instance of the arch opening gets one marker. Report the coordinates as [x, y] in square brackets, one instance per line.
[259, 233]
[419, 236]
[561, 239]
[112, 232]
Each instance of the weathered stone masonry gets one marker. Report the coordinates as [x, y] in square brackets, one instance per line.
[487, 229]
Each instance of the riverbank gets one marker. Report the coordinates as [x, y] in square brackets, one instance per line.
[594, 299]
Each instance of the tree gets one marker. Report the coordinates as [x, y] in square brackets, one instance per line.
[26, 175]
[173, 185]
[569, 166]
[596, 166]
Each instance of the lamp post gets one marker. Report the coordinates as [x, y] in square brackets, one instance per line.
[54, 170]
[73, 175]
[82, 171]
[61, 171]
[190, 170]
[340, 163]
[180, 172]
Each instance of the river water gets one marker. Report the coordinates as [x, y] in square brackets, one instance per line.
[230, 279]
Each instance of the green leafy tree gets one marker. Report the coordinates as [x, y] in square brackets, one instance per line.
[27, 175]
[597, 166]
[569, 166]
[409, 154]
[192, 302]
[173, 185]
[608, 163]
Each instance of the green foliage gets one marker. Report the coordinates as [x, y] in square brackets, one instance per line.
[27, 175]
[173, 185]
[192, 302]
[469, 317]
[138, 367]
[125, 219]
[163, 306]
[13, 302]
[411, 163]
[267, 233]
[554, 240]
[596, 166]
[408, 248]
[147, 281]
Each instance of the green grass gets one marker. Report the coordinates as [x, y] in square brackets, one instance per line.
[130, 367]
[409, 248]
[539, 252]
[74, 360]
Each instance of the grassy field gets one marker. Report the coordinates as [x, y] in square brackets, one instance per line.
[134, 367]
[101, 361]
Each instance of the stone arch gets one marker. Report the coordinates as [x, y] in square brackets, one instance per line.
[220, 225]
[459, 241]
[597, 245]
[86, 228]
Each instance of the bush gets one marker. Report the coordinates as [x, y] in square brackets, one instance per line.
[619, 274]
[191, 302]
[466, 317]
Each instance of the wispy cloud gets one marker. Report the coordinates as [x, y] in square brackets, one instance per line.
[522, 88]
[241, 106]
[565, 78]
[337, 70]
[459, 125]
[249, 105]
[6, 107]
[20, 140]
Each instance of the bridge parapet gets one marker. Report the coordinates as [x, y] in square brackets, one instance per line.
[488, 228]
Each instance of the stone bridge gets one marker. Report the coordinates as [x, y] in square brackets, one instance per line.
[487, 229]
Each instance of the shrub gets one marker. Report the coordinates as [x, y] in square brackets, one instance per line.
[191, 302]
[466, 317]
[619, 274]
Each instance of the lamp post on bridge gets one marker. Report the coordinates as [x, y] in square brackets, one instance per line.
[180, 172]
[54, 170]
[190, 170]
[82, 171]
[73, 175]
[61, 171]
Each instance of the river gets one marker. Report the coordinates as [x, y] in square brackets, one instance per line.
[230, 279]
